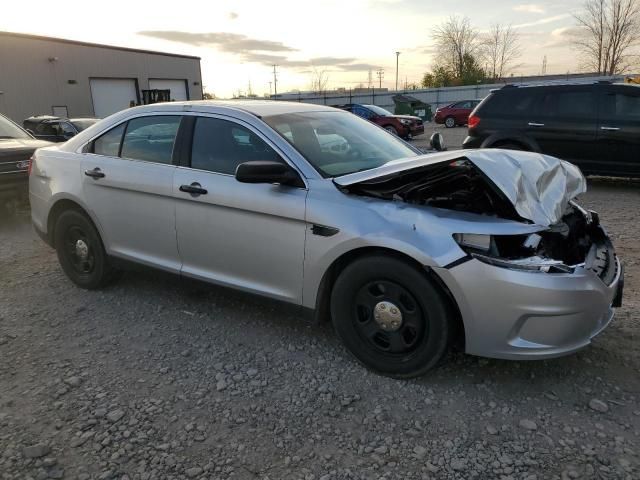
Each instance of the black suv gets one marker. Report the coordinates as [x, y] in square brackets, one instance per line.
[56, 129]
[596, 126]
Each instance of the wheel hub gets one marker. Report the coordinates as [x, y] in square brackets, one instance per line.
[82, 249]
[388, 316]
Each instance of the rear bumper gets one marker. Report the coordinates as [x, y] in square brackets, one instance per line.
[536, 315]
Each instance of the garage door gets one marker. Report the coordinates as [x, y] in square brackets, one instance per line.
[110, 95]
[178, 88]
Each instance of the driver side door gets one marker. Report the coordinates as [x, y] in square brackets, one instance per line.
[247, 236]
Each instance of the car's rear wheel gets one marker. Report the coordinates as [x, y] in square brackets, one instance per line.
[80, 251]
[391, 129]
[391, 316]
[509, 146]
[450, 122]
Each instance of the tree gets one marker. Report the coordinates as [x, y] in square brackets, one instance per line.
[319, 80]
[501, 48]
[607, 31]
[438, 77]
[472, 72]
[456, 40]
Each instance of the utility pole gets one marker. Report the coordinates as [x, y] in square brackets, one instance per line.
[380, 74]
[275, 81]
[270, 89]
[370, 80]
[544, 65]
[397, 57]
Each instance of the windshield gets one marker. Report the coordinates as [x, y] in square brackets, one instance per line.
[378, 110]
[83, 123]
[338, 143]
[8, 129]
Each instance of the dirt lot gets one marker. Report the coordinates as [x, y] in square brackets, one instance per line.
[161, 378]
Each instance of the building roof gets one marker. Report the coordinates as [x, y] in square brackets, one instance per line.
[88, 44]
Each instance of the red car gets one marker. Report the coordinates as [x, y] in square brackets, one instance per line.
[405, 126]
[456, 113]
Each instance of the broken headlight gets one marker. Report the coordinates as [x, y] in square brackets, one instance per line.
[516, 252]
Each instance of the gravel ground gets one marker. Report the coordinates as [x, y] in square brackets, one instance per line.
[162, 378]
[453, 137]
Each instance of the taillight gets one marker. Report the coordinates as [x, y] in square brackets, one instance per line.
[30, 166]
[473, 121]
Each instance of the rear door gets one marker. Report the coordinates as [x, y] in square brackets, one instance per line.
[248, 236]
[564, 123]
[619, 131]
[128, 185]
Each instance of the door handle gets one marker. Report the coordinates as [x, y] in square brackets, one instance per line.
[194, 189]
[95, 173]
[534, 124]
[610, 129]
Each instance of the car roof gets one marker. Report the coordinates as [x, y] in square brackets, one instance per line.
[42, 118]
[260, 108]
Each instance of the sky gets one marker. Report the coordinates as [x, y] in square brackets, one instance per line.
[239, 40]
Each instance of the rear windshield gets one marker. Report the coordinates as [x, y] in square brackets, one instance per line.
[8, 129]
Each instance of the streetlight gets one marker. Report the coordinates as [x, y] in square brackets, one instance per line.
[397, 56]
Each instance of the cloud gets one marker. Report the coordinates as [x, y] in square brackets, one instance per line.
[529, 8]
[232, 15]
[543, 21]
[561, 37]
[226, 42]
[265, 52]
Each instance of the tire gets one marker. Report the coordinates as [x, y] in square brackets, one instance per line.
[401, 345]
[449, 122]
[391, 129]
[509, 146]
[80, 251]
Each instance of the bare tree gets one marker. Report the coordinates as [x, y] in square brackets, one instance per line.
[606, 34]
[455, 41]
[501, 50]
[319, 80]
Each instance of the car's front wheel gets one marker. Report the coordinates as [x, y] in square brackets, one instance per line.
[391, 316]
[80, 251]
[391, 129]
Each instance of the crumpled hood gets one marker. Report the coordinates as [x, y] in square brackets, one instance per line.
[539, 186]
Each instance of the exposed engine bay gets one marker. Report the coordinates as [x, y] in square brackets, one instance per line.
[577, 239]
[458, 185]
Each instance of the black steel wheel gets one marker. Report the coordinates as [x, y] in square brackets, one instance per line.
[391, 316]
[80, 251]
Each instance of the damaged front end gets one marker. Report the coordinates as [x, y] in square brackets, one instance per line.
[519, 186]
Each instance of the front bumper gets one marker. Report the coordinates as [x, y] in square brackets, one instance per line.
[513, 314]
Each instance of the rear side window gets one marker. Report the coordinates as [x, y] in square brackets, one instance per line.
[567, 104]
[48, 129]
[621, 106]
[151, 138]
[513, 103]
[109, 143]
[220, 146]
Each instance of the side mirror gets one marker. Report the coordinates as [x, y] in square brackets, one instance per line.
[267, 171]
[437, 142]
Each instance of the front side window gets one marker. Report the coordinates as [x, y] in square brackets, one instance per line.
[109, 143]
[338, 143]
[220, 146]
[621, 106]
[151, 138]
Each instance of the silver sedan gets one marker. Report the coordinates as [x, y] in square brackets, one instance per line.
[407, 254]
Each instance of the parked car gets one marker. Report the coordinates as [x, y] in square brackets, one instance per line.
[405, 126]
[16, 148]
[596, 126]
[456, 113]
[404, 252]
[56, 129]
